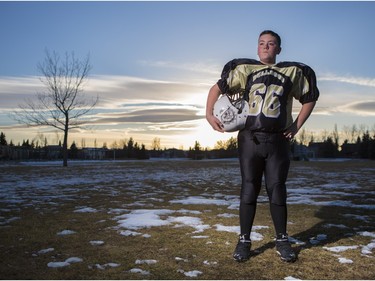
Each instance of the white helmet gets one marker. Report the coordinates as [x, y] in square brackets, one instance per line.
[231, 113]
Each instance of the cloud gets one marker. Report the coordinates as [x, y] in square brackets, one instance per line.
[150, 116]
[126, 103]
[112, 90]
[363, 108]
[115, 91]
[13, 90]
[362, 81]
[175, 126]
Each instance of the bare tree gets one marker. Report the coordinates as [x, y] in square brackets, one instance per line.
[302, 136]
[220, 144]
[336, 136]
[62, 104]
[155, 145]
[354, 132]
[347, 133]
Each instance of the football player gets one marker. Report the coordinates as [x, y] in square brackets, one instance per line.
[269, 88]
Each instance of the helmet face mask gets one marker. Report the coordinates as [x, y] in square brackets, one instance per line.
[232, 112]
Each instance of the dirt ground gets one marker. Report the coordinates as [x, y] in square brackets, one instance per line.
[68, 223]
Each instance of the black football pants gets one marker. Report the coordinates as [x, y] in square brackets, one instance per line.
[263, 154]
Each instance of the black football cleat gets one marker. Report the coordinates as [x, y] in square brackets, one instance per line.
[242, 251]
[284, 248]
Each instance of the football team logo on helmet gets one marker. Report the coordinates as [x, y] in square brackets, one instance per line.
[231, 112]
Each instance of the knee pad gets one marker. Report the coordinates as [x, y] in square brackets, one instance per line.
[278, 194]
[249, 197]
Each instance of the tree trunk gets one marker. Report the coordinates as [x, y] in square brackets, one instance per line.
[65, 147]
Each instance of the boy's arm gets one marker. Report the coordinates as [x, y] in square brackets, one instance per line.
[303, 115]
[212, 97]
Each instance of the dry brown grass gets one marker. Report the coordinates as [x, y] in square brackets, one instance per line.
[39, 222]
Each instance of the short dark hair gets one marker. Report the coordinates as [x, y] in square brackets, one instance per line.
[274, 34]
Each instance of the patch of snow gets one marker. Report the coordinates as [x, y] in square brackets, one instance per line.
[143, 218]
[220, 227]
[85, 210]
[129, 233]
[367, 233]
[66, 232]
[44, 251]
[98, 266]
[199, 200]
[345, 260]
[193, 273]
[96, 242]
[367, 250]
[190, 221]
[140, 271]
[206, 262]
[291, 278]
[139, 204]
[73, 260]
[184, 211]
[257, 227]
[329, 225]
[226, 215]
[338, 249]
[104, 266]
[65, 263]
[255, 236]
[117, 211]
[58, 264]
[112, 264]
[146, 261]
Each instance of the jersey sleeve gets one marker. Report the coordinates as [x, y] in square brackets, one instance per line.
[307, 87]
[234, 75]
[303, 79]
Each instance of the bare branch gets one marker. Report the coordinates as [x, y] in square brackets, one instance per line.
[62, 104]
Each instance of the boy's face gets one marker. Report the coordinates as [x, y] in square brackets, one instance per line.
[268, 49]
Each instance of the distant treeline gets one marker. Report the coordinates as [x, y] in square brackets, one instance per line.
[364, 148]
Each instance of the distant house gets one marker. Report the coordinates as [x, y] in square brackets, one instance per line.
[318, 149]
[53, 151]
[326, 149]
[349, 150]
[168, 153]
[94, 153]
[302, 152]
[15, 152]
[4, 152]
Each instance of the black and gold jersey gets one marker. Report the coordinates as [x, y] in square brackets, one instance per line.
[270, 90]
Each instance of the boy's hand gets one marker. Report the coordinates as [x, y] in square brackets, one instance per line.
[215, 123]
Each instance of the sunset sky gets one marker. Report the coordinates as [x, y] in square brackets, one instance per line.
[154, 62]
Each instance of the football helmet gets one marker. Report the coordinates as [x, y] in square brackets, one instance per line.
[232, 112]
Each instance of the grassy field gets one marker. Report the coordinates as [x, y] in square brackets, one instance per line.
[109, 209]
